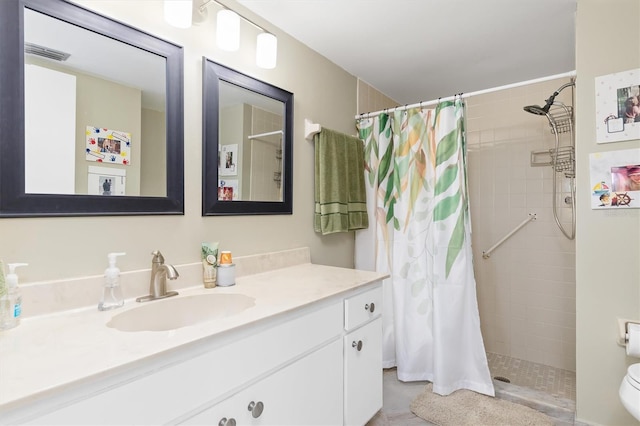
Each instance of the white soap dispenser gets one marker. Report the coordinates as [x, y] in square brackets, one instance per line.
[12, 301]
[112, 293]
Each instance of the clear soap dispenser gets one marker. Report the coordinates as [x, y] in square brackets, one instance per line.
[112, 293]
[12, 300]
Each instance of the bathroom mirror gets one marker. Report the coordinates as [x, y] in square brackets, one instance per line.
[91, 119]
[247, 144]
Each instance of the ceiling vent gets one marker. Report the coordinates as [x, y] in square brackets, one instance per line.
[45, 52]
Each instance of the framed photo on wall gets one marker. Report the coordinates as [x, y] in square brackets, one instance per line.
[228, 160]
[106, 181]
[108, 146]
[615, 179]
[618, 106]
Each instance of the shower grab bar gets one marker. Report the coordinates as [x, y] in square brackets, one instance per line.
[487, 253]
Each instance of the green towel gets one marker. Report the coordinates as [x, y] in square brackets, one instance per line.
[340, 197]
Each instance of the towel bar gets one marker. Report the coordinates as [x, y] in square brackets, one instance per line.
[310, 129]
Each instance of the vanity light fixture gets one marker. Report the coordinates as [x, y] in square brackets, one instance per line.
[266, 50]
[228, 34]
[178, 12]
[228, 30]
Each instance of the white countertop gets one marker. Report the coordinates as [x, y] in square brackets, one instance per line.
[46, 352]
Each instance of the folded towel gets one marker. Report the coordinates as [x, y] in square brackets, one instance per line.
[340, 197]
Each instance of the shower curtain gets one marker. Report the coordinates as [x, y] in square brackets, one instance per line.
[417, 198]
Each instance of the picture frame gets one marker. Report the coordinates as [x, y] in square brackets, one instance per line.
[228, 160]
[108, 146]
[228, 190]
[615, 179]
[618, 106]
[106, 181]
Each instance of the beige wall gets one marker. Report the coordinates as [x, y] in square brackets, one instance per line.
[235, 122]
[105, 104]
[526, 289]
[608, 243]
[153, 161]
[323, 92]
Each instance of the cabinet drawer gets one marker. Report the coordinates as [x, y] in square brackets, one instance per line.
[362, 307]
[307, 392]
[363, 373]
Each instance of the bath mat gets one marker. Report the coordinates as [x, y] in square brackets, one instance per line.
[465, 407]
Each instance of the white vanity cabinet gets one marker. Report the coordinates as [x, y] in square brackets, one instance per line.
[297, 368]
[363, 356]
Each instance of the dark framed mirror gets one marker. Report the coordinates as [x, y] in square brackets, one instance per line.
[247, 144]
[91, 115]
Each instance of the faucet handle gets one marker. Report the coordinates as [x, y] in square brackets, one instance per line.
[157, 257]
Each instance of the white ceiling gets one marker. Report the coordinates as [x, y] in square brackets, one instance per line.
[420, 50]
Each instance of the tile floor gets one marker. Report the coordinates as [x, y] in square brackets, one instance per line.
[554, 381]
[538, 386]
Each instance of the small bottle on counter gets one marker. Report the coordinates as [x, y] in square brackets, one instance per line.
[112, 292]
[10, 299]
[209, 257]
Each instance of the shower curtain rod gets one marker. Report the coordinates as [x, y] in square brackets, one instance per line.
[468, 95]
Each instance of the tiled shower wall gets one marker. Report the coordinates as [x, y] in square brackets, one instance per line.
[526, 289]
[370, 99]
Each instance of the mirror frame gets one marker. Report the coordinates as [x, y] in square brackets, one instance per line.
[14, 202]
[212, 74]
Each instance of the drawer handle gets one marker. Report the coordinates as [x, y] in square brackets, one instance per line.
[370, 308]
[256, 408]
[227, 422]
[357, 345]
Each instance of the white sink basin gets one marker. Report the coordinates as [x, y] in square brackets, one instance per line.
[177, 312]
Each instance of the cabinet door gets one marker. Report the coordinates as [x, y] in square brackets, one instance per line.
[307, 392]
[363, 373]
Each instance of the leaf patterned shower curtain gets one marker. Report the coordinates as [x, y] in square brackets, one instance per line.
[415, 170]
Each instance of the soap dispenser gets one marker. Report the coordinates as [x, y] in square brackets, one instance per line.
[12, 300]
[112, 293]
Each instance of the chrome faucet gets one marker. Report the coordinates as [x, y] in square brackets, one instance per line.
[159, 274]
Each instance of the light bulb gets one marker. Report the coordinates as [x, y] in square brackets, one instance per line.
[178, 12]
[228, 30]
[266, 50]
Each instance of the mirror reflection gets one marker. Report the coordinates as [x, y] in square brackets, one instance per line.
[94, 113]
[250, 145]
[247, 144]
[92, 116]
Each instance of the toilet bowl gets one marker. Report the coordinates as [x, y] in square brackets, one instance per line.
[630, 390]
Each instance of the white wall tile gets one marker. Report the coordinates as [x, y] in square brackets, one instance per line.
[526, 290]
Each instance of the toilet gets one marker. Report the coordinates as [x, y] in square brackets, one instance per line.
[630, 390]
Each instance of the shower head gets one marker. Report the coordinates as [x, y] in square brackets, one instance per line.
[537, 109]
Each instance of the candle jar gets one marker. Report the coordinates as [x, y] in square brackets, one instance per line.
[226, 275]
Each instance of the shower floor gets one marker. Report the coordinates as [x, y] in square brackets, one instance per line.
[554, 381]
